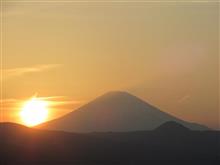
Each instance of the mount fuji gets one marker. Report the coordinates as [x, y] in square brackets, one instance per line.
[115, 112]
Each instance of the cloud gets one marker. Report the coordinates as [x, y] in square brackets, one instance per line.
[60, 100]
[184, 99]
[54, 102]
[14, 72]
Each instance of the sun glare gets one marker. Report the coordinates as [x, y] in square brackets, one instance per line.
[34, 112]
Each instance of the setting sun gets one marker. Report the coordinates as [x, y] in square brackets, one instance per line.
[34, 112]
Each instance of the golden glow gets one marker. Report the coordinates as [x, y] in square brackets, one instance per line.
[34, 112]
[169, 56]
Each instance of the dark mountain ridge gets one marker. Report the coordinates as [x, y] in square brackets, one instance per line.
[172, 126]
[22, 145]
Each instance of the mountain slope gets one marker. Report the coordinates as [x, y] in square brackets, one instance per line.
[117, 112]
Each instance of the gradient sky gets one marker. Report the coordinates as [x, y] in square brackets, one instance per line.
[71, 52]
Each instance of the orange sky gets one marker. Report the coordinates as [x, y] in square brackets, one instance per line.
[69, 53]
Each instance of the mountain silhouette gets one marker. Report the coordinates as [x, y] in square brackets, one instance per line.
[22, 145]
[116, 112]
[172, 126]
[9, 125]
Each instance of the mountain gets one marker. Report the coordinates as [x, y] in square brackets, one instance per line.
[172, 126]
[7, 126]
[22, 145]
[116, 112]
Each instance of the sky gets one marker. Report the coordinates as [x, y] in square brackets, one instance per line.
[70, 52]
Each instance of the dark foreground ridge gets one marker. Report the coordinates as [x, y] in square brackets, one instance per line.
[22, 145]
[172, 126]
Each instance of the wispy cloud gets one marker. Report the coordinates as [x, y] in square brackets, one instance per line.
[61, 100]
[184, 99]
[13, 72]
[54, 102]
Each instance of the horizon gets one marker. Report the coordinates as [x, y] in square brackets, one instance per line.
[116, 95]
[60, 56]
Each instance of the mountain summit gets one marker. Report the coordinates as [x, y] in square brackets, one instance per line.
[116, 112]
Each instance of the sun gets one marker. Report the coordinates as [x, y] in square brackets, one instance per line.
[34, 112]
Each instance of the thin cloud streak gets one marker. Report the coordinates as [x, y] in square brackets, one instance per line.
[14, 72]
[54, 101]
[184, 99]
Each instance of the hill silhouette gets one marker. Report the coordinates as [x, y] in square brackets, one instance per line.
[116, 112]
[172, 126]
[8, 125]
[22, 145]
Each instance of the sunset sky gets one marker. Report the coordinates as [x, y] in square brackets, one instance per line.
[70, 52]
